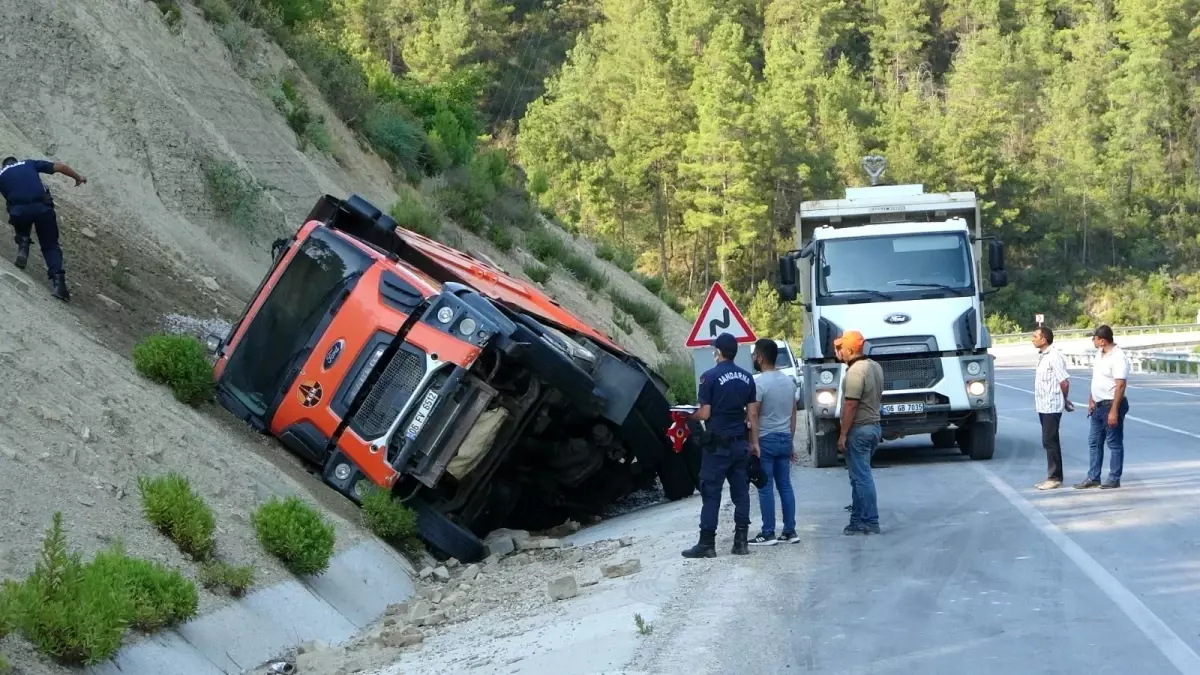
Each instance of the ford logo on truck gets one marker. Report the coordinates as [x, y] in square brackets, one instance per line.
[897, 318]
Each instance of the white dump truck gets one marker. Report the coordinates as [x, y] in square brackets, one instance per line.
[903, 267]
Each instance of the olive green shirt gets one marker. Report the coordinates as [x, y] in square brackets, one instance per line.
[864, 383]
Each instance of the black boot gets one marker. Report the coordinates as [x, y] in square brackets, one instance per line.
[59, 284]
[706, 548]
[739, 541]
[22, 252]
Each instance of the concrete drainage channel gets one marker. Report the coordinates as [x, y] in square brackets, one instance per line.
[356, 590]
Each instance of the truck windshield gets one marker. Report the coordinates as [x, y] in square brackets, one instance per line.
[783, 359]
[895, 267]
[280, 332]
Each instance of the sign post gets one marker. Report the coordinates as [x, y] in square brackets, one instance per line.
[1039, 318]
[718, 315]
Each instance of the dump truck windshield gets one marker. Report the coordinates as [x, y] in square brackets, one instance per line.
[322, 271]
[895, 267]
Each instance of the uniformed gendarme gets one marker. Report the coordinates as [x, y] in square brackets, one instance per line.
[31, 209]
[726, 393]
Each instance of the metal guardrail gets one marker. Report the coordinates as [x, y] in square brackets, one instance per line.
[1158, 363]
[1068, 333]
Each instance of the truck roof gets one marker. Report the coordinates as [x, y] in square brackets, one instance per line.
[889, 229]
[887, 199]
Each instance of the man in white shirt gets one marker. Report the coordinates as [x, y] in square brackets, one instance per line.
[1107, 407]
[1050, 388]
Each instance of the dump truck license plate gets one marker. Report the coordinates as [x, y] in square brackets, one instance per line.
[422, 415]
[903, 408]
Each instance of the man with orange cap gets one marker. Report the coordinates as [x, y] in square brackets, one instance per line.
[862, 391]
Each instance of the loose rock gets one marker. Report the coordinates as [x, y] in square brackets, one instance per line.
[88, 232]
[622, 569]
[575, 558]
[210, 283]
[626, 541]
[589, 577]
[426, 573]
[441, 574]
[499, 544]
[420, 611]
[453, 564]
[563, 588]
[403, 637]
[470, 573]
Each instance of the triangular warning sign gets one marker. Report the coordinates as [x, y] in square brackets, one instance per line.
[719, 315]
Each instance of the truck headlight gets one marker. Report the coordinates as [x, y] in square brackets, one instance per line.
[342, 471]
[468, 326]
[826, 377]
[973, 368]
[976, 388]
[212, 343]
[445, 314]
[825, 397]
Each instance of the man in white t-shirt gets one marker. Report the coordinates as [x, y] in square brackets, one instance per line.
[1051, 384]
[1107, 407]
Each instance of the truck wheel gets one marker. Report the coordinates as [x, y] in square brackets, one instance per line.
[823, 447]
[943, 439]
[446, 536]
[680, 474]
[977, 441]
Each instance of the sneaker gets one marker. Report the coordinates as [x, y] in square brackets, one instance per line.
[1111, 485]
[1089, 483]
[848, 507]
[1049, 485]
[789, 538]
[854, 529]
[764, 540]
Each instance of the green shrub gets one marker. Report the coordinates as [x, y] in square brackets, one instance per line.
[620, 257]
[537, 273]
[237, 197]
[387, 517]
[412, 213]
[652, 284]
[622, 321]
[238, 38]
[681, 381]
[5, 668]
[395, 136]
[501, 237]
[582, 269]
[178, 512]
[545, 246]
[671, 301]
[70, 611]
[237, 578]
[216, 11]
[178, 361]
[333, 72]
[646, 315]
[161, 597]
[512, 209]
[296, 533]
[171, 13]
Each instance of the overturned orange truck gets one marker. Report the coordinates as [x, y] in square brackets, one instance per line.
[384, 357]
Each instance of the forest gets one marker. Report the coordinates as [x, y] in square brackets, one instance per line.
[681, 135]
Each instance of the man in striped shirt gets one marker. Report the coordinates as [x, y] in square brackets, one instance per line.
[1050, 387]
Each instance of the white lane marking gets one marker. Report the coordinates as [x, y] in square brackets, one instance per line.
[1168, 642]
[1128, 417]
[1077, 374]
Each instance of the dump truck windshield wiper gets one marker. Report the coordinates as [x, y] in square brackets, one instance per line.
[952, 289]
[871, 291]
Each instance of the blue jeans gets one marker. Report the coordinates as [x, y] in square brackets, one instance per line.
[1115, 436]
[728, 462]
[775, 456]
[860, 445]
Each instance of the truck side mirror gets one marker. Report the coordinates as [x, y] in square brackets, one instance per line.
[787, 278]
[996, 255]
[998, 278]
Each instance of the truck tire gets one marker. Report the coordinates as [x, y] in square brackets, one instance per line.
[680, 473]
[978, 440]
[943, 439]
[822, 448]
[444, 535]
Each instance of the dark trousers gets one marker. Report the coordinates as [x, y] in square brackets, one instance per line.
[46, 225]
[731, 463]
[1050, 422]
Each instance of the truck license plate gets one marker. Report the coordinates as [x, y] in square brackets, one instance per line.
[422, 415]
[903, 408]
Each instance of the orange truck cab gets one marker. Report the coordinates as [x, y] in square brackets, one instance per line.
[383, 357]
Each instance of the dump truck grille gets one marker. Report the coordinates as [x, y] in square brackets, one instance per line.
[910, 373]
[391, 392]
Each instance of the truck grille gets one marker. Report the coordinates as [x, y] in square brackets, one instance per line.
[910, 373]
[391, 392]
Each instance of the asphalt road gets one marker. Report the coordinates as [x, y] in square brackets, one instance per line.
[976, 571]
